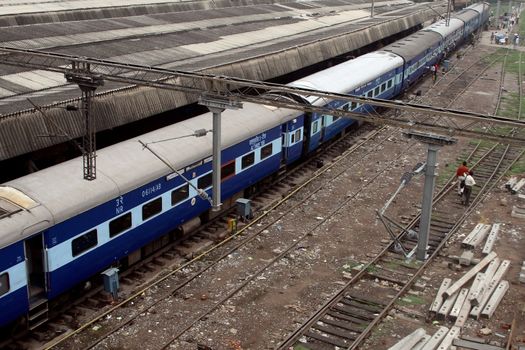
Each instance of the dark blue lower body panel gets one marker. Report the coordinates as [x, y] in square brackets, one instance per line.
[104, 255]
[294, 152]
[13, 306]
[314, 141]
[333, 130]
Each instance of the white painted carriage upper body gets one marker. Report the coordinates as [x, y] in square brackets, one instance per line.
[442, 28]
[350, 75]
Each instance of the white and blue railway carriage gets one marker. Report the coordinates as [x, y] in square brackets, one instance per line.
[72, 229]
[353, 77]
[451, 34]
[418, 51]
[473, 17]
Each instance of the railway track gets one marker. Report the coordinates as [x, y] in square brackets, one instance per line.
[347, 319]
[174, 250]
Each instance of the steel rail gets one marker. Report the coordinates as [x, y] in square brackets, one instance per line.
[482, 194]
[253, 236]
[520, 87]
[292, 338]
[446, 189]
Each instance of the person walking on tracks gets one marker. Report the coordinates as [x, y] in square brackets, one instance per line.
[433, 70]
[461, 173]
[469, 183]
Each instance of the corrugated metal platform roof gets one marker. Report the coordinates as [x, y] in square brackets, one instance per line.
[256, 41]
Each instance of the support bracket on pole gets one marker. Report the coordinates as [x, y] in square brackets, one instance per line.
[389, 223]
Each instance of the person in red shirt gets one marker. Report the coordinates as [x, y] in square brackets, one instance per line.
[461, 173]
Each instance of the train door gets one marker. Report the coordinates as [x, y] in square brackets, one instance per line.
[36, 266]
[284, 142]
[36, 263]
[307, 132]
[322, 126]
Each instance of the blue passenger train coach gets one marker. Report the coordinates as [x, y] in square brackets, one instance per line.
[58, 230]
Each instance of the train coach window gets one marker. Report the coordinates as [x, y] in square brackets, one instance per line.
[370, 93]
[152, 208]
[315, 127]
[247, 160]
[389, 84]
[4, 283]
[376, 91]
[267, 150]
[383, 87]
[180, 194]
[83, 243]
[119, 225]
[298, 135]
[205, 181]
[228, 170]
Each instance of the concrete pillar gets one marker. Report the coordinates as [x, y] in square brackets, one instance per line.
[216, 155]
[426, 207]
[217, 104]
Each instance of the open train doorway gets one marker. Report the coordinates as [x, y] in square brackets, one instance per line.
[36, 274]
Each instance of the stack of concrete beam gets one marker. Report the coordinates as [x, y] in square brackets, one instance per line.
[494, 275]
[471, 273]
[518, 210]
[512, 181]
[517, 187]
[493, 235]
[456, 302]
[476, 236]
[442, 339]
